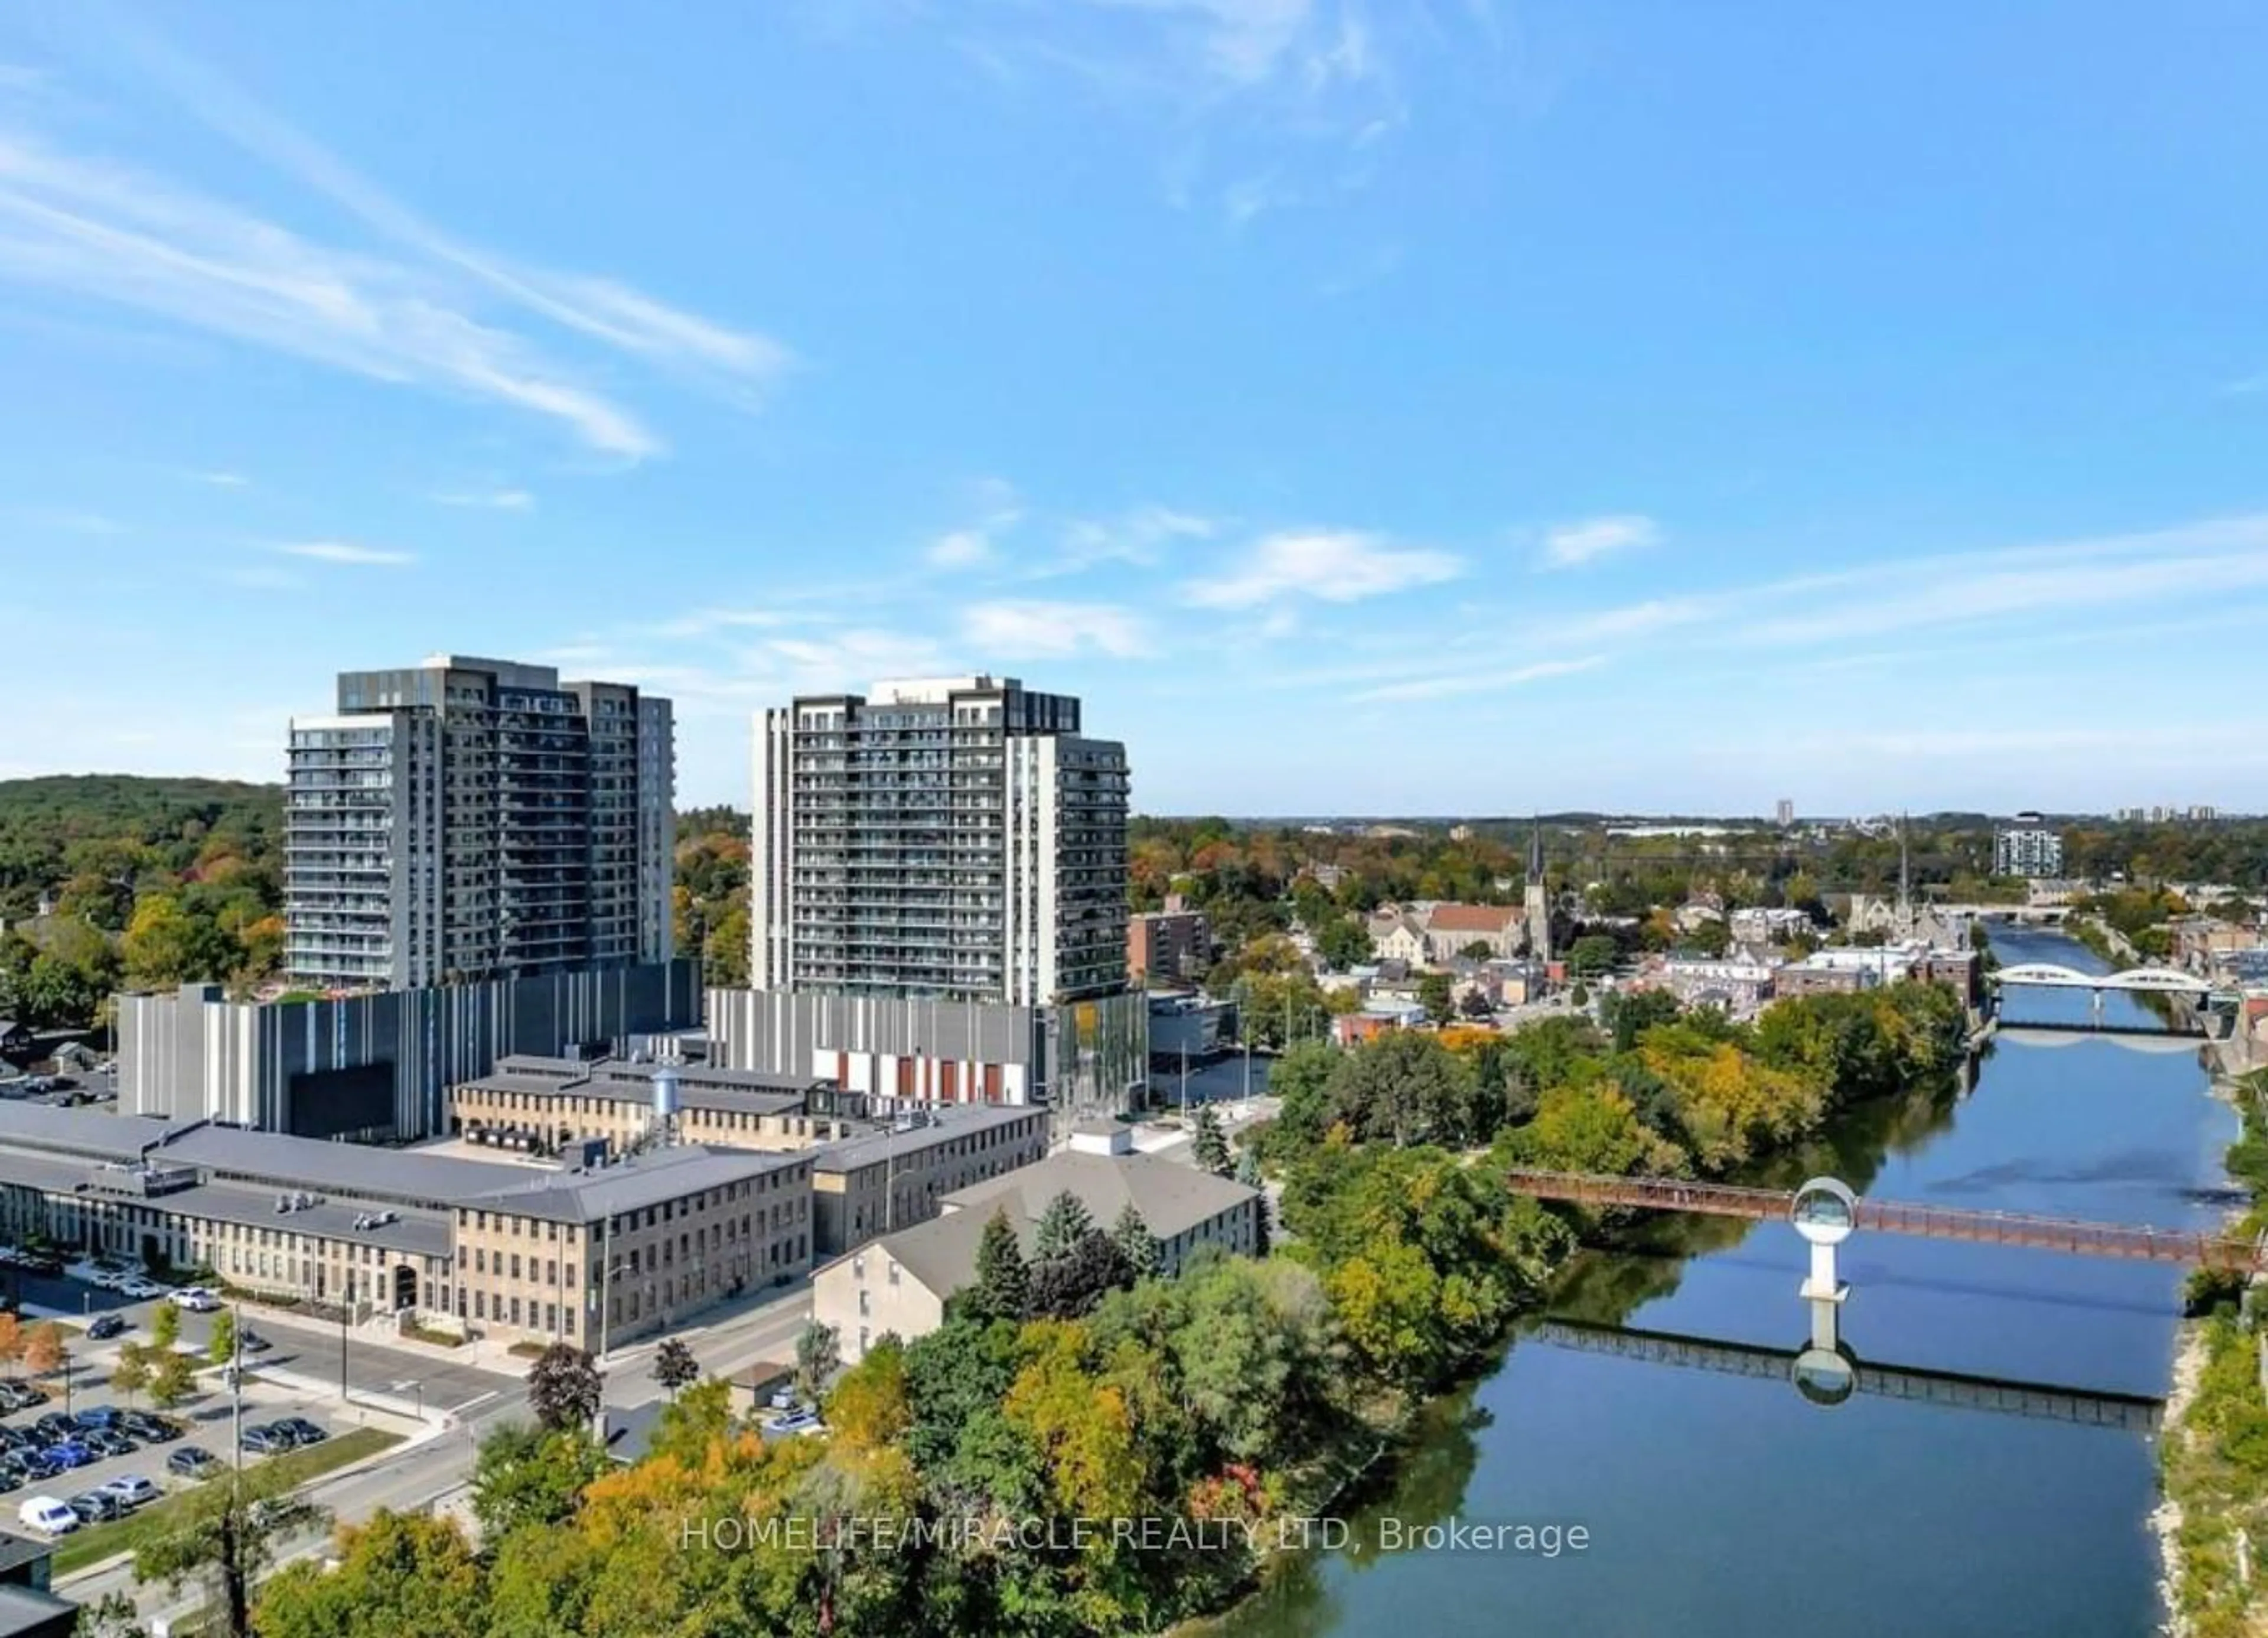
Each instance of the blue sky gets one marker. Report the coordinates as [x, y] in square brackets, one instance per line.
[1435, 406]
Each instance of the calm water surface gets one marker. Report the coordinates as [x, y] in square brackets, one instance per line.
[1728, 1506]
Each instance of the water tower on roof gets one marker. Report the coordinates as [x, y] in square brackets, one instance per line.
[665, 1106]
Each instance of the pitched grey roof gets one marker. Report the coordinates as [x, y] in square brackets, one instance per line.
[1172, 1197]
[95, 1134]
[632, 1184]
[725, 1090]
[425, 1234]
[954, 1121]
[941, 1253]
[275, 1159]
[243, 1171]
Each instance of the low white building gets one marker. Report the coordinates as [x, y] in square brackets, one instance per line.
[901, 1283]
[1757, 924]
[1736, 985]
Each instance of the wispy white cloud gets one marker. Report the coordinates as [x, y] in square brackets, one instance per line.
[1032, 630]
[347, 552]
[960, 548]
[999, 509]
[1478, 681]
[1569, 545]
[493, 499]
[222, 480]
[419, 314]
[1337, 566]
[1142, 536]
[70, 521]
[95, 230]
[709, 622]
[850, 659]
[603, 308]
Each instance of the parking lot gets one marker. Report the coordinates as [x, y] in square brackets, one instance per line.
[206, 1423]
[302, 1348]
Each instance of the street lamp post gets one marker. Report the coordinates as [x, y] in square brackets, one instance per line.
[346, 1312]
[236, 1383]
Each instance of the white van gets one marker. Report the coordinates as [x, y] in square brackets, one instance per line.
[48, 1516]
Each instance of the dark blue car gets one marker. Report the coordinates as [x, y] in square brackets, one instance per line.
[71, 1453]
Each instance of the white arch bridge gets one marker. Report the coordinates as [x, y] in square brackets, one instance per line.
[2049, 975]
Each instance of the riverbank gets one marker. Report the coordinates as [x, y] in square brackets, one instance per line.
[2211, 1520]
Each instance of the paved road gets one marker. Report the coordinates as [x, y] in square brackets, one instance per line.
[464, 1400]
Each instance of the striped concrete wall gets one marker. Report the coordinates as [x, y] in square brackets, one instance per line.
[1079, 1058]
[193, 1053]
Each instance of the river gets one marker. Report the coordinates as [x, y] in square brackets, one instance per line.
[1721, 1506]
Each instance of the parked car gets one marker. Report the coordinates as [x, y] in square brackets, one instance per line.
[101, 1416]
[105, 1327]
[37, 1463]
[801, 1420]
[302, 1431]
[55, 1425]
[264, 1441]
[95, 1508]
[192, 1461]
[131, 1489]
[150, 1427]
[67, 1453]
[197, 1299]
[142, 1290]
[17, 1396]
[46, 1515]
[41, 1263]
[108, 1441]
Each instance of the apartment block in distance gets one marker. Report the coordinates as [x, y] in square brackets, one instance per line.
[2027, 848]
[957, 840]
[938, 900]
[468, 819]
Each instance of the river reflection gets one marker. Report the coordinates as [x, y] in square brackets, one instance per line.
[1719, 1504]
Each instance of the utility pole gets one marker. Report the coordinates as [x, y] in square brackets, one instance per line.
[236, 1384]
[1185, 1075]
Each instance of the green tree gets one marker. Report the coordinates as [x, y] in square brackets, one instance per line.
[173, 1379]
[1136, 1242]
[675, 1366]
[1004, 1285]
[1593, 955]
[563, 1388]
[164, 1326]
[400, 1573]
[1629, 1014]
[222, 1539]
[1434, 994]
[131, 1374]
[1301, 1081]
[818, 1356]
[692, 1421]
[525, 1477]
[1211, 1142]
[220, 1346]
[1062, 1226]
[1068, 1287]
[1342, 942]
[1406, 1088]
